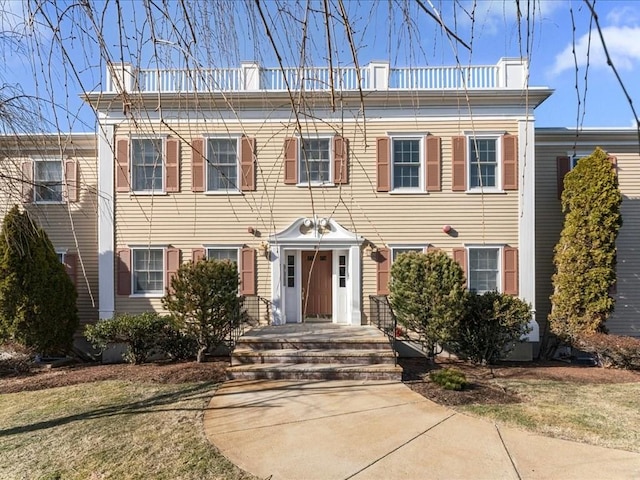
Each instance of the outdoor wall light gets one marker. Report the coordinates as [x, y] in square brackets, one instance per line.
[307, 222]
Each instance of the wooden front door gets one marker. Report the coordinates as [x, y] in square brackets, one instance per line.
[316, 284]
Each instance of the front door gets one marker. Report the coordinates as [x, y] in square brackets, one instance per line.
[316, 284]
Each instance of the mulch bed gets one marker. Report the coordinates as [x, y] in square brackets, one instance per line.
[25, 376]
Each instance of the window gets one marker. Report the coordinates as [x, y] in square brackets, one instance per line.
[315, 160]
[342, 271]
[397, 251]
[483, 163]
[291, 271]
[484, 269]
[148, 271]
[222, 164]
[230, 254]
[146, 165]
[47, 180]
[406, 163]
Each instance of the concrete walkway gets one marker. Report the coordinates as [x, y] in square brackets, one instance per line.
[384, 430]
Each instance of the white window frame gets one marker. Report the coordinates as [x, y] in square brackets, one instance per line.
[407, 246]
[152, 294]
[163, 153]
[497, 137]
[574, 157]
[218, 246]
[61, 253]
[37, 183]
[300, 166]
[236, 189]
[420, 137]
[499, 248]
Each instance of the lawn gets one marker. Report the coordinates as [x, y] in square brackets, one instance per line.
[599, 414]
[110, 429]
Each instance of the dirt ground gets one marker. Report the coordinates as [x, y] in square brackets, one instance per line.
[23, 376]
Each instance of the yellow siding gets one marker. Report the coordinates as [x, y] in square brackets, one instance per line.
[187, 220]
[71, 227]
[549, 219]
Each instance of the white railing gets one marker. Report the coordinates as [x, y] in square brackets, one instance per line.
[507, 74]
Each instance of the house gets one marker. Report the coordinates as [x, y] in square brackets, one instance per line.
[315, 179]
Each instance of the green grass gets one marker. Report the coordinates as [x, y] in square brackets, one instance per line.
[111, 429]
[599, 414]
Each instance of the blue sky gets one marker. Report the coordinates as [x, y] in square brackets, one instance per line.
[381, 31]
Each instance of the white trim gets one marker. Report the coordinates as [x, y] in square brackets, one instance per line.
[231, 191]
[163, 162]
[407, 246]
[421, 188]
[499, 260]
[497, 188]
[155, 293]
[218, 246]
[106, 221]
[301, 139]
[527, 222]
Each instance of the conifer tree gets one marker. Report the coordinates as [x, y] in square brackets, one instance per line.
[37, 297]
[585, 256]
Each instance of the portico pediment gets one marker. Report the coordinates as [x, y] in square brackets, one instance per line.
[315, 230]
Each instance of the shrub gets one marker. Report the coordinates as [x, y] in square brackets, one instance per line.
[37, 297]
[612, 350]
[144, 334]
[449, 379]
[492, 325]
[204, 299]
[428, 295]
[585, 256]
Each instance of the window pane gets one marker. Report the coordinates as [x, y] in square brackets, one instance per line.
[483, 269]
[146, 164]
[399, 251]
[148, 271]
[222, 164]
[314, 160]
[484, 164]
[48, 180]
[406, 163]
[223, 254]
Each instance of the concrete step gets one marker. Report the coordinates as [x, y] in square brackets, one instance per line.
[328, 356]
[315, 371]
[311, 343]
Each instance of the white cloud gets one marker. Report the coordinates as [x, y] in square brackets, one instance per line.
[625, 15]
[623, 44]
[492, 16]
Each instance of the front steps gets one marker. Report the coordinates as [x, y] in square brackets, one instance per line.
[314, 352]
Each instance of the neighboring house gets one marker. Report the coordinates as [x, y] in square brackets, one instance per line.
[557, 151]
[314, 191]
[54, 177]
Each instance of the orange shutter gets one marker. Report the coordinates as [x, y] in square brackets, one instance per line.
[383, 271]
[248, 272]
[198, 254]
[172, 166]
[122, 165]
[564, 165]
[291, 161]
[433, 164]
[173, 263]
[71, 266]
[71, 180]
[383, 156]
[510, 271]
[247, 164]
[340, 160]
[459, 164]
[614, 163]
[460, 256]
[27, 181]
[197, 165]
[510, 162]
[123, 271]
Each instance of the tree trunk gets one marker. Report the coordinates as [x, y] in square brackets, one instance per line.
[201, 352]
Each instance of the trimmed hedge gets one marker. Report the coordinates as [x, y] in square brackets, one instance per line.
[612, 350]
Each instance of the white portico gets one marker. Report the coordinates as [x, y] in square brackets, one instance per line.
[315, 272]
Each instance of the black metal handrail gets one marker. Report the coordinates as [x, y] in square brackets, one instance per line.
[254, 308]
[381, 315]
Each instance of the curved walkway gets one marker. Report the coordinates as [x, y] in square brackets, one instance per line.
[383, 430]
